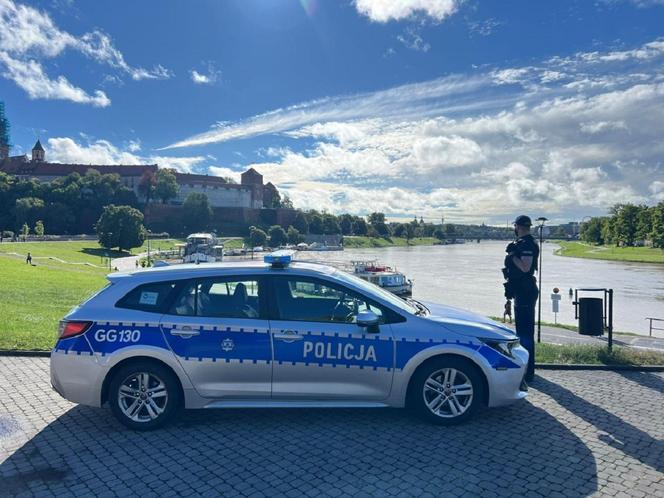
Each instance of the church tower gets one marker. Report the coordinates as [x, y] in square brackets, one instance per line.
[38, 153]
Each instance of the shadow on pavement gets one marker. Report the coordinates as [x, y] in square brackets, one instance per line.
[646, 379]
[515, 450]
[620, 434]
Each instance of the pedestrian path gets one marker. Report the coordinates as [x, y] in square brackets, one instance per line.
[555, 335]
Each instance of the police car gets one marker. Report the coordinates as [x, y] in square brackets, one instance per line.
[277, 333]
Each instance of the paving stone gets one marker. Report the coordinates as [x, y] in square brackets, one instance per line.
[578, 434]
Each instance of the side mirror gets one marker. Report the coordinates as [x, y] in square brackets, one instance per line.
[369, 320]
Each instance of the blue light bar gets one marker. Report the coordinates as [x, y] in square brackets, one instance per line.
[279, 259]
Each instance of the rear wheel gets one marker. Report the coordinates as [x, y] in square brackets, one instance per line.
[446, 391]
[144, 395]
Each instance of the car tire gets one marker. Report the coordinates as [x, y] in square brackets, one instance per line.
[144, 395]
[446, 391]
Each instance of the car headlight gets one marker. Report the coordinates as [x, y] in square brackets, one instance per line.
[503, 347]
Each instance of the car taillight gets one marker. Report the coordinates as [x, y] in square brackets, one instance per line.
[72, 329]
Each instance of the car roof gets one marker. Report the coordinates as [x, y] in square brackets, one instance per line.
[191, 270]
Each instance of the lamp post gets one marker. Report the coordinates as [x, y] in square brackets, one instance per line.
[147, 234]
[541, 220]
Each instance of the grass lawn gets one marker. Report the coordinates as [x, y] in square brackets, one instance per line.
[635, 254]
[595, 355]
[34, 298]
[361, 242]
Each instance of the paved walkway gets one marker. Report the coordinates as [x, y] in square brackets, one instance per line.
[578, 434]
[555, 335]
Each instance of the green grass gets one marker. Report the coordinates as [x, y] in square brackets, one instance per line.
[634, 254]
[34, 298]
[363, 242]
[233, 243]
[587, 354]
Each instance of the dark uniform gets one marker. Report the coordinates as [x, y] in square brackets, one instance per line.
[522, 287]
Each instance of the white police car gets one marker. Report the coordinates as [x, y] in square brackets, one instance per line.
[280, 334]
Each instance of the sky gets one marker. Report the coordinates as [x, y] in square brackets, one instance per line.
[470, 111]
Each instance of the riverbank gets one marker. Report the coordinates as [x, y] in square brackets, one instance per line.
[358, 242]
[610, 253]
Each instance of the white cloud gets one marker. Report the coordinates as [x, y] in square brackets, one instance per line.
[208, 76]
[224, 172]
[67, 150]
[30, 76]
[411, 39]
[395, 10]
[656, 188]
[478, 147]
[28, 36]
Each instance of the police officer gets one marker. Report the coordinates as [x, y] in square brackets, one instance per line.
[520, 266]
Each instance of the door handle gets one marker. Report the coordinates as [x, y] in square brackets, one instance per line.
[185, 332]
[288, 336]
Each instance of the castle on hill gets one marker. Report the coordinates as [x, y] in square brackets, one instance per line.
[250, 193]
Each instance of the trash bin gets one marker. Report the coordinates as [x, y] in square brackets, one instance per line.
[591, 320]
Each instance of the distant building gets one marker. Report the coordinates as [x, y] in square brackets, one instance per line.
[249, 193]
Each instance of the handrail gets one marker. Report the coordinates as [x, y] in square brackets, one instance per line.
[653, 319]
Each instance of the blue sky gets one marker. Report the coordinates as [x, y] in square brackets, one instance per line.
[469, 110]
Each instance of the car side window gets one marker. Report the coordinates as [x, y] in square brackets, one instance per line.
[313, 300]
[219, 298]
[148, 297]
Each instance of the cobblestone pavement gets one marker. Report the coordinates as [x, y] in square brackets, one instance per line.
[579, 433]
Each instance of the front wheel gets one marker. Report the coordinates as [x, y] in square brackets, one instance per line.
[446, 391]
[144, 395]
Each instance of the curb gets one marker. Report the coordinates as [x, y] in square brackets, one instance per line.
[538, 366]
[30, 354]
[605, 368]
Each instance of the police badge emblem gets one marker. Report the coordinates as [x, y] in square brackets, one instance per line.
[227, 345]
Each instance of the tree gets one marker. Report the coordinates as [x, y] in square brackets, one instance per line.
[121, 227]
[377, 221]
[657, 231]
[359, 227]
[644, 219]
[300, 223]
[27, 209]
[286, 202]
[257, 237]
[439, 233]
[346, 224]
[278, 236]
[591, 231]
[147, 185]
[411, 229]
[316, 224]
[166, 187]
[196, 212]
[330, 225]
[625, 216]
[450, 231]
[294, 236]
[399, 230]
[25, 231]
[39, 228]
[609, 230]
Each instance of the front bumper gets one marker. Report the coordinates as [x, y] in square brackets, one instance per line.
[505, 385]
[77, 377]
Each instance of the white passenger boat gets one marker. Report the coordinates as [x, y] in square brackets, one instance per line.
[384, 276]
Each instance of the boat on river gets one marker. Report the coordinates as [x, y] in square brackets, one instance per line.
[201, 248]
[384, 276]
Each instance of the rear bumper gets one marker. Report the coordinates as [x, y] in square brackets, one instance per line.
[77, 378]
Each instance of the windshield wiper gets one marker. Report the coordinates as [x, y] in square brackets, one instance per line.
[421, 309]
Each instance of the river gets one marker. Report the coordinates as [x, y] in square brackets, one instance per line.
[468, 276]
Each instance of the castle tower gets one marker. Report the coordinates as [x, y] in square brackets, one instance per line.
[38, 153]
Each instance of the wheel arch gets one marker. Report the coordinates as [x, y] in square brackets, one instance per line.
[456, 356]
[136, 359]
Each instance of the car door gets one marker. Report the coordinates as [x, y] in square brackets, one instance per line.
[319, 352]
[218, 330]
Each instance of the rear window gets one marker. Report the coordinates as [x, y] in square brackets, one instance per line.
[152, 297]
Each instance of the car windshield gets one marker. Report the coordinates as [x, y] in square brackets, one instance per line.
[375, 290]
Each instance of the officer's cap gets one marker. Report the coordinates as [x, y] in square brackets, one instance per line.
[523, 221]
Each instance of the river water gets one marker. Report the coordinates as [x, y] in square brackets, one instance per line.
[468, 276]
